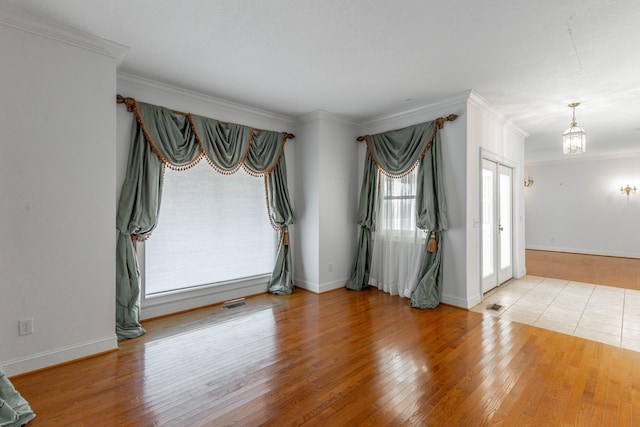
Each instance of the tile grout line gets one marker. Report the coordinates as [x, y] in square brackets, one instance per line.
[556, 297]
[624, 310]
[521, 296]
[551, 302]
[583, 310]
[526, 293]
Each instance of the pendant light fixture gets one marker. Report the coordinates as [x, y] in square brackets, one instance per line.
[574, 139]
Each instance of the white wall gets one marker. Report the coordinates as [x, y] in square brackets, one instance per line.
[338, 201]
[575, 205]
[57, 170]
[326, 201]
[307, 192]
[489, 134]
[175, 98]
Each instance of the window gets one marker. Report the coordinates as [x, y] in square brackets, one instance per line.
[398, 246]
[212, 229]
[397, 214]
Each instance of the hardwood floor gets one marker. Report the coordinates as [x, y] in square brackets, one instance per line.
[595, 269]
[344, 358]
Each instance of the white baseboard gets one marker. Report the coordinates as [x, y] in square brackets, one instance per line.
[584, 251]
[60, 355]
[330, 286]
[312, 287]
[319, 288]
[460, 302]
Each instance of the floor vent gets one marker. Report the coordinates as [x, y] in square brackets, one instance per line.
[494, 306]
[233, 303]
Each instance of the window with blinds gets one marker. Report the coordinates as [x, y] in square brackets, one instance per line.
[212, 229]
[398, 203]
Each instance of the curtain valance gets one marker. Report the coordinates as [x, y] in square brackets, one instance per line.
[161, 138]
[396, 153]
[180, 141]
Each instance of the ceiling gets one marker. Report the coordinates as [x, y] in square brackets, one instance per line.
[366, 58]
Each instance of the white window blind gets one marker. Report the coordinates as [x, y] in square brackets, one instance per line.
[212, 228]
[397, 212]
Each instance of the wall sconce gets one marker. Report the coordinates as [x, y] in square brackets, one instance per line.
[528, 182]
[628, 190]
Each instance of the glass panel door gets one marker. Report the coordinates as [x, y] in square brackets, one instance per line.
[497, 224]
[488, 219]
[505, 228]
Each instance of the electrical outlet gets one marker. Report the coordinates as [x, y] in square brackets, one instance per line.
[25, 327]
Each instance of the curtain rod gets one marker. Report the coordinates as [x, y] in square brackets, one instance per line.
[130, 101]
[439, 122]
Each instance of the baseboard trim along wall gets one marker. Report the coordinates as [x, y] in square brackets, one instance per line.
[303, 284]
[584, 251]
[462, 303]
[319, 288]
[56, 356]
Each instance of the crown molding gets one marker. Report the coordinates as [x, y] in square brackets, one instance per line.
[24, 22]
[582, 158]
[148, 85]
[478, 101]
[419, 114]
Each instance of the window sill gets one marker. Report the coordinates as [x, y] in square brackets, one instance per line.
[176, 301]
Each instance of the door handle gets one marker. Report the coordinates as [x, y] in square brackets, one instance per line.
[500, 228]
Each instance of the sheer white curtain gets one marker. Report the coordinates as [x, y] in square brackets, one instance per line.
[398, 242]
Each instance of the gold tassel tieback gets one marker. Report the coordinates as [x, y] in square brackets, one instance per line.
[286, 237]
[433, 245]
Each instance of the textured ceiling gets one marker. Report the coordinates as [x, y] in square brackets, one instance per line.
[364, 58]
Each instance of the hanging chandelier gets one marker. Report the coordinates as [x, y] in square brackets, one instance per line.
[574, 139]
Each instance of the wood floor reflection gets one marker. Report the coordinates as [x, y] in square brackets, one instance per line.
[344, 358]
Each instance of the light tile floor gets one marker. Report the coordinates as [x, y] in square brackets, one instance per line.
[595, 312]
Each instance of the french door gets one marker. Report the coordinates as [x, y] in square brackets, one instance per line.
[497, 224]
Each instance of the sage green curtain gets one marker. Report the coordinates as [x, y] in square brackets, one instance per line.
[367, 218]
[396, 153]
[428, 290]
[161, 139]
[14, 409]
[137, 213]
[281, 282]
[431, 215]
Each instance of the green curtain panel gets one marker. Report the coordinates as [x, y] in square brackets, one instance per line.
[431, 215]
[136, 218]
[14, 409]
[397, 153]
[161, 138]
[428, 291]
[281, 216]
[367, 218]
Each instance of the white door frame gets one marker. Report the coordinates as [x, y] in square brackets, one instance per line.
[500, 161]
